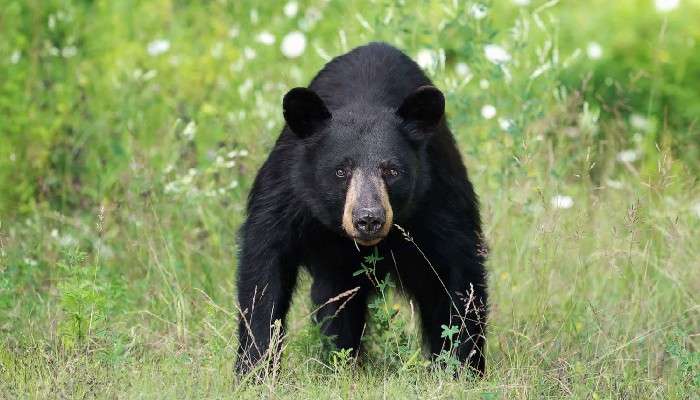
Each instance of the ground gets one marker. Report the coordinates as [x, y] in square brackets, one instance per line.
[135, 129]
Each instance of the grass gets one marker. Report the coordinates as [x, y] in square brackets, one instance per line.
[123, 178]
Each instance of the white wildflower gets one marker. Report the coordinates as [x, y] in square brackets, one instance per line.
[150, 74]
[563, 202]
[266, 38]
[245, 87]
[696, 208]
[463, 69]
[594, 50]
[640, 122]
[249, 53]
[666, 5]
[137, 74]
[254, 16]
[628, 156]
[15, 56]
[158, 47]
[189, 131]
[171, 187]
[488, 111]
[69, 51]
[521, 2]
[233, 32]
[505, 123]
[222, 163]
[54, 233]
[426, 58]
[496, 54]
[291, 9]
[293, 44]
[30, 262]
[484, 84]
[478, 11]
[217, 50]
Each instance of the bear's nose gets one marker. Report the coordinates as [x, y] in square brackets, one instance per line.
[369, 221]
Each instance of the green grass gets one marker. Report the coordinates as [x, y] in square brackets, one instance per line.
[123, 178]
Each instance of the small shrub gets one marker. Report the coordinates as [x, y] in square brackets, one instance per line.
[88, 299]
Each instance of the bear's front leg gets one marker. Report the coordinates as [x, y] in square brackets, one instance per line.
[267, 274]
[468, 314]
[341, 304]
[453, 294]
[459, 305]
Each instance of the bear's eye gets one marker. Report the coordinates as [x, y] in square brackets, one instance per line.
[390, 172]
[340, 173]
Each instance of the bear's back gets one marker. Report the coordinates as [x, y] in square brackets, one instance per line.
[376, 73]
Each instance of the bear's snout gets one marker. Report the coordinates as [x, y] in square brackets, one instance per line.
[367, 215]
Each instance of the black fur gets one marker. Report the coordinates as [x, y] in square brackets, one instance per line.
[374, 109]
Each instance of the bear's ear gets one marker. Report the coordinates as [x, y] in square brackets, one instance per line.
[304, 111]
[423, 109]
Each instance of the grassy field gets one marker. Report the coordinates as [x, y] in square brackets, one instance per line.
[130, 132]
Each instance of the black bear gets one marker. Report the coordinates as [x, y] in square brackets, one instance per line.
[365, 148]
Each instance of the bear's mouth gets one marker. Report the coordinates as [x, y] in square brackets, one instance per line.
[367, 242]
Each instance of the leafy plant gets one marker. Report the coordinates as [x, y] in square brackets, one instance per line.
[688, 360]
[341, 359]
[388, 334]
[447, 357]
[88, 300]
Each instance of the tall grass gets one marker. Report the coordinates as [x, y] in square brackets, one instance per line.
[132, 131]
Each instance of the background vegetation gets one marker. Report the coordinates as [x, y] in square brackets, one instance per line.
[130, 132]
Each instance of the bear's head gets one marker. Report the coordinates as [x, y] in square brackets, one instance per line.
[363, 166]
